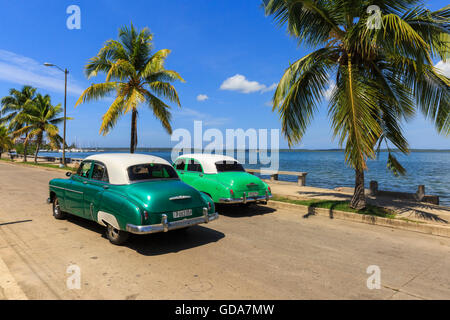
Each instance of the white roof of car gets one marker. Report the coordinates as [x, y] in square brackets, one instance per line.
[208, 161]
[118, 163]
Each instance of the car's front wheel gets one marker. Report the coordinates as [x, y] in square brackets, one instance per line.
[116, 236]
[57, 213]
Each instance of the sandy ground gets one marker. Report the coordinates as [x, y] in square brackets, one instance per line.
[257, 253]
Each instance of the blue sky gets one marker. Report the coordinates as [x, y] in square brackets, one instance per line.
[226, 50]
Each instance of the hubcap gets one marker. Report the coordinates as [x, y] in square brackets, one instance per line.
[113, 232]
[56, 210]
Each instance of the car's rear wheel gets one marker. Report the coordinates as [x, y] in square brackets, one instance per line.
[116, 236]
[57, 213]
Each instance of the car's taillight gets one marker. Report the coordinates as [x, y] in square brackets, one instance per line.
[232, 193]
[145, 215]
[270, 191]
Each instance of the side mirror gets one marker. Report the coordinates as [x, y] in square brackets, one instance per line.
[68, 174]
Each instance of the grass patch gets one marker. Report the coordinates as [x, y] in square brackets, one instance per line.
[339, 206]
[45, 165]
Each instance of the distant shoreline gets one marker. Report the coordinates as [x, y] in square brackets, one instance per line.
[101, 149]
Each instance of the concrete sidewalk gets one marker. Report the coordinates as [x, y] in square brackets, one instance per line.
[415, 211]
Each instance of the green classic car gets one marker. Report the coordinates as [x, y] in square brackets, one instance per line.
[222, 178]
[130, 193]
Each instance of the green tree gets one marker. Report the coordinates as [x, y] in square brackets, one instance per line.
[6, 142]
[14, 105]
[40, 120]
[382, 73]
[135, 76]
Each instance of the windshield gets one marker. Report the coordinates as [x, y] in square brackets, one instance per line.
[151, 171]
[229, 166]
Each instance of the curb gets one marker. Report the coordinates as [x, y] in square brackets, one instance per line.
[34, 166]
[436, 230]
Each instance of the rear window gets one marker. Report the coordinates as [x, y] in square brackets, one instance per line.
[194, 166]
[151, 171]
[229, 166]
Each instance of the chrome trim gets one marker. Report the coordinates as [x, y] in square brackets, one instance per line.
[167, 226]
[51, 186]
[246, 199]
[179, 197]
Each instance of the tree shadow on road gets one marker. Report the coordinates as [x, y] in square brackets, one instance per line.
[159, 243]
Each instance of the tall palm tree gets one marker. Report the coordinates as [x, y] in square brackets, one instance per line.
[5, 139]
[12, 106]
[382, 74]
[40, 120]
[135, 76]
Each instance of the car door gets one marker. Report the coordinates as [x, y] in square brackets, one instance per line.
[75, 193]
[97, 183]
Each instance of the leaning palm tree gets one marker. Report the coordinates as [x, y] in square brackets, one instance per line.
[5, 139]
[40, 120]
[135, 76]
[12, 106]
[381, 62]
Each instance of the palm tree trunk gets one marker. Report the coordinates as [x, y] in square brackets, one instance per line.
[38, 145]
[359, 198]
[133, 141]
[25, 149]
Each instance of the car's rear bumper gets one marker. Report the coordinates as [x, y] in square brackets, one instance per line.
[246, 199]
[165, 226]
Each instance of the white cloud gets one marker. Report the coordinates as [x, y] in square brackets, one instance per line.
[27, 71]
[207, 119]
[202, 97]
[269, 104]
[444, 67]
[239, 83]
[271, 88]
[329, 91]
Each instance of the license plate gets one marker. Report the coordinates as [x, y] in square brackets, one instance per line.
[253, 194]
[182, 213]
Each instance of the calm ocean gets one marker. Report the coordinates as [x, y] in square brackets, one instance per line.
[326, 169]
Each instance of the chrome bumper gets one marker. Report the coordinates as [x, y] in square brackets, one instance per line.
[165, 226]
[246, 199]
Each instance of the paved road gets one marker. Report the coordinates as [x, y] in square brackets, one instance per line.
[258, 253]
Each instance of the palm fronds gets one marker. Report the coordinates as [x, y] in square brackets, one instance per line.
[135, 76]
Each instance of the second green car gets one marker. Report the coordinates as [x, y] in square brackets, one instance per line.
[222, 178]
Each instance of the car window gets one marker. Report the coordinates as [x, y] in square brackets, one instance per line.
[151, 171]
[229, 166]
[100, 173]
[179, 164]
[83, 170]
[194, 165]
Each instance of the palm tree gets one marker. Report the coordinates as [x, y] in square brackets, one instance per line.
[5, 140]
[135, 76]
[381, 75]
[40, 120]
[12, 106]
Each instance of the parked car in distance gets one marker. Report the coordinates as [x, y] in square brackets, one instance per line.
[222, 178]
[130, 193]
